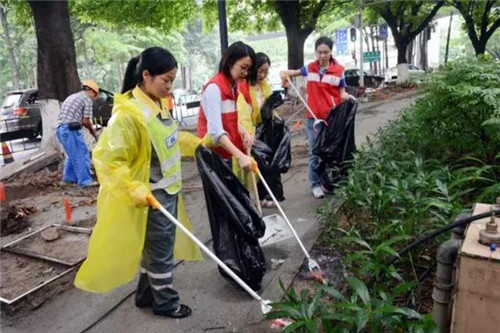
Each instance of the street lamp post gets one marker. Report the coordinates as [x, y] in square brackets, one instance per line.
[222, 25]
[361, 76]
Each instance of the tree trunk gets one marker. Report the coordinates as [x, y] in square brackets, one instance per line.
[8, 45]
[479, 45]
[57, 74]
[295, 40]
[402, 48]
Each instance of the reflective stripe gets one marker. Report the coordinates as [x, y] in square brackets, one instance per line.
[228, 106]
[331, 79]
[156, 275]
[163, 286]
[166, 182]
[171, 162]
[313, 77]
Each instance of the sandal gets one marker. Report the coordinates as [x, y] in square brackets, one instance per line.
[182, 311]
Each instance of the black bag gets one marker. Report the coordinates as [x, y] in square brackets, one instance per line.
[235, 223]
[335, 144]
[75, 126]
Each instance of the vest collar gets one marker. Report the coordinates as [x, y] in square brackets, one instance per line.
[330, 67]
[140, 96]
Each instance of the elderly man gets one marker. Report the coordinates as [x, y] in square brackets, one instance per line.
[76, 111]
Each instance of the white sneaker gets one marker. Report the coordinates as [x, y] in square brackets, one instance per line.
[318, 192]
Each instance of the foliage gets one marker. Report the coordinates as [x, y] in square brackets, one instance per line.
[165, 16]
[438, 159]
[482, 18]
[360, 311]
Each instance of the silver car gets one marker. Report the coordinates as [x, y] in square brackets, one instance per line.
[20, 115]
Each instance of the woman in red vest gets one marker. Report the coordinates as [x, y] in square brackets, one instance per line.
[218, 112]
[325, 89]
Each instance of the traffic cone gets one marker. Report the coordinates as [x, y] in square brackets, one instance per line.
[7, 156]
[3, 197]
[67, 208]
[297, 126]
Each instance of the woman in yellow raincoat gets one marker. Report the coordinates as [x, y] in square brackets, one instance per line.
[250, 100]
[138, 154]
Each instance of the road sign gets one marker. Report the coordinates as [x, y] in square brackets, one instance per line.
[371, 56]
[341, 40]
[383, 31]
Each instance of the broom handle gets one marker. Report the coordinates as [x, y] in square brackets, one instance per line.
[301, 98]
[255, 189]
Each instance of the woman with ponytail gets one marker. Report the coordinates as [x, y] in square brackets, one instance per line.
[139, 154]
[325, 89]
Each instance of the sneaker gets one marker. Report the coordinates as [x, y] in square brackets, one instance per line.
[62, 183]
[318, 192]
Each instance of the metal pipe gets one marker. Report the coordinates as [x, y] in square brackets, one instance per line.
[443, 284]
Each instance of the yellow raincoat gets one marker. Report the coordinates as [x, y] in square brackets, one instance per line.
[121, 158]
[249, 117]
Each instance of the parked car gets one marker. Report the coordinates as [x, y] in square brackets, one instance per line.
[102, 106]
[20, 115]
[352, 78]
[414, 72]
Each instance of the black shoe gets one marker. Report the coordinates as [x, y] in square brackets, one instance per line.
[182, 312]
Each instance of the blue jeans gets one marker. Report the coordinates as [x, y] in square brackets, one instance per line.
[77, 164]
[155, 286]
[312, 135]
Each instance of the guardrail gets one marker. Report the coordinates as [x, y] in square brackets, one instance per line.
[21, 133]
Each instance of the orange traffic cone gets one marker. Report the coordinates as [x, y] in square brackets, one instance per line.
[297, 126]
[7, 156]
[67, 208]
[3, 197]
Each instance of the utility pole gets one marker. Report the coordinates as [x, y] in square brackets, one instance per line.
[448, 40]
[222, 25]
[361, 76]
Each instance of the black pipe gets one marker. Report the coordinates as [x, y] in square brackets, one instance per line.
[438, 232]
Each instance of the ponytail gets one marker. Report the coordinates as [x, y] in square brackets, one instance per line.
[131, 78]
[155, 60]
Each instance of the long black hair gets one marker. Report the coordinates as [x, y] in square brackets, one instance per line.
[324, 40]
[233, 53]
[155, 60]
[260, 59]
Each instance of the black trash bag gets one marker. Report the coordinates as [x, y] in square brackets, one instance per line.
[271, 103]
[335, 144]
[235, 223]
[273, 145]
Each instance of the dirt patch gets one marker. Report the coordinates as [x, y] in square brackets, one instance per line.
[14, 218]
[58, 248]
[21, 274]
[330, 262]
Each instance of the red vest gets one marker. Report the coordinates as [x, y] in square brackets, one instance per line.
[323, 91]
[229, 115]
